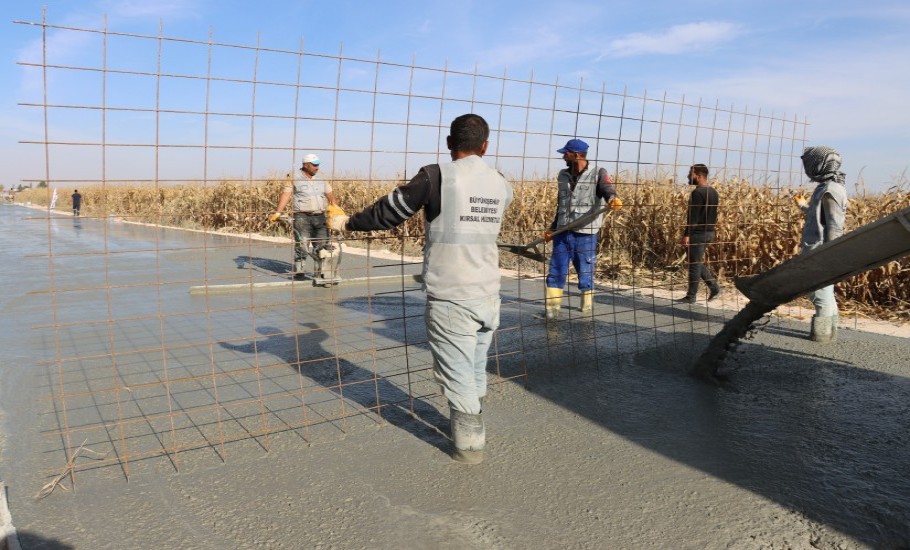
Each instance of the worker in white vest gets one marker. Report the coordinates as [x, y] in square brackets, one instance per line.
[312, 194]
[582, 189]
[464, 202]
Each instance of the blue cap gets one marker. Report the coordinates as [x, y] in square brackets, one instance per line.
[574, 146]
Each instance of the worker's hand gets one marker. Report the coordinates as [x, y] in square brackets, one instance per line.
[335, 218]
[615, 203]
[274, 217]
[547, 236]
[801, 201]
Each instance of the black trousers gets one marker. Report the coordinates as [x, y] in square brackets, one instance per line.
[698, 271]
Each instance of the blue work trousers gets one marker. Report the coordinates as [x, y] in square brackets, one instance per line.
[581, 249]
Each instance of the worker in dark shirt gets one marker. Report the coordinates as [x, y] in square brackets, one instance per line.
[701, 219]
[77, 202]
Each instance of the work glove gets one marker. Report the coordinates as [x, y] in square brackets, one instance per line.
[335, 218]
[547, 236]
[615, 203]
[801, 201]
[274, 217]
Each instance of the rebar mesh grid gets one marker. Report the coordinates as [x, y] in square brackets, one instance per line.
[165, 339]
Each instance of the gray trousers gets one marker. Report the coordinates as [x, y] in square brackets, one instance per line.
[309, 227]
[698, 271]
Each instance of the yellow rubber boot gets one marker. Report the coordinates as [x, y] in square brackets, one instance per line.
[587, 300]
[554, 302]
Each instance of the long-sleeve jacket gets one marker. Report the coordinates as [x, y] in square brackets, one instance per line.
[701, 215]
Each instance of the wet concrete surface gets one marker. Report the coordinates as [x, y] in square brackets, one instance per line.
[606, 443]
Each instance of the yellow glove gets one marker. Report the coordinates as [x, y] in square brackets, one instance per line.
[274, 217]
[547, 236]
[801, 201]
[335, 218]
[615, 204]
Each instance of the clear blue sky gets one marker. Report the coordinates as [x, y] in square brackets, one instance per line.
[844, 65]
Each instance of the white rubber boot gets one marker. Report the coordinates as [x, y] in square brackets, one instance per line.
[823, 329]
[468, 437]
[553, 303]
[587, 300]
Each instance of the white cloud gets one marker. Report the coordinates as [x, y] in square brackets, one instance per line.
[171, 9]
[850, 97]
[544, 44]
[675, 40]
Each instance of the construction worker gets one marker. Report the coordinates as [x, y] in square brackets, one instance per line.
[701, 219]
[463, 202]
[582, 189]
[77, 202]
[825, 213]
[311, 193]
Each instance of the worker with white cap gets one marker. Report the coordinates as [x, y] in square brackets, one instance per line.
[312, 195]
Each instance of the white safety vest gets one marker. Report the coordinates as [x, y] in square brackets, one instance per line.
[461, 259]
[572, 205]
[309, 194]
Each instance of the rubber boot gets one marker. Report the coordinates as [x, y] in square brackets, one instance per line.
[823, 329]
[468, 437]
[587, 300]
[553, 303]
[319, 274]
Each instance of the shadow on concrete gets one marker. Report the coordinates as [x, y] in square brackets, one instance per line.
[305, 352]
[30, 541]
[818, 436]
[266, 265]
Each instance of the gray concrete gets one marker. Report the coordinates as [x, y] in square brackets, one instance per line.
[606, 443]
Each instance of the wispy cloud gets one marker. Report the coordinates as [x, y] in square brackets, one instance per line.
[857, 95]
[64, 46]
[426, 27]
[513, 54]
[675, 40]
[856, 105]
[171, 9]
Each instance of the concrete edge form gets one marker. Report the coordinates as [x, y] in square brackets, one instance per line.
[303, 283]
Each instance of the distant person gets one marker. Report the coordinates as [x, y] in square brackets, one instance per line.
[701, 220]
[312, 194]
[825, 213]
[463, 202]
[77, 202]
[582, 188]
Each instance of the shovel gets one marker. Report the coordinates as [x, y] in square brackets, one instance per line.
[532, 250]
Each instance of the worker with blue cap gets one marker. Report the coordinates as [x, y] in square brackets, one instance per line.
[582, 189]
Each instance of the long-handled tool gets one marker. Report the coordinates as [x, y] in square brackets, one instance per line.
[531, 249]
[865, 248]
[326, 257]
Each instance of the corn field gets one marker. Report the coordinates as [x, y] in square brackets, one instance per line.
[758, 226]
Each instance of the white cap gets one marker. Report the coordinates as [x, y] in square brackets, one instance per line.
[311, 158]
